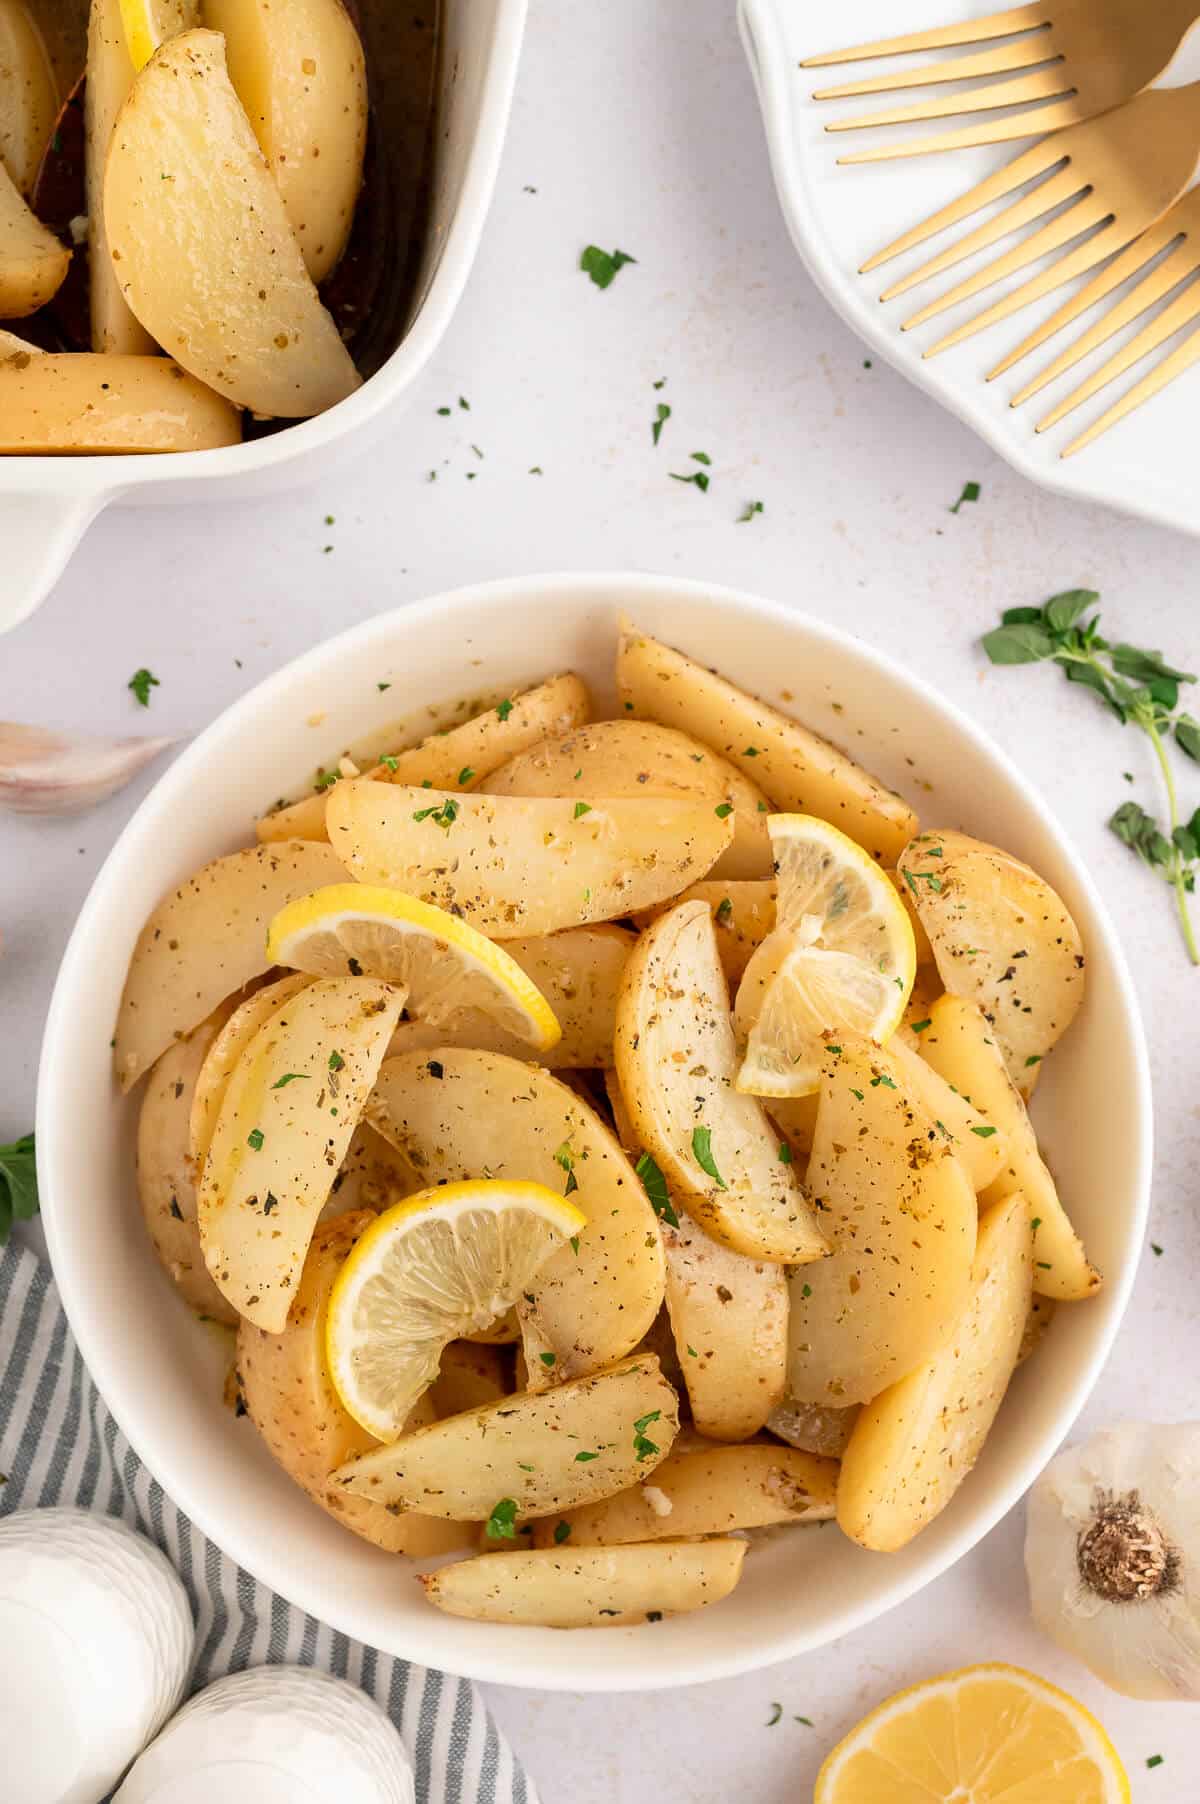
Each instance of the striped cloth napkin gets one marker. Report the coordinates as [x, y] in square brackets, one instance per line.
[60, 1445]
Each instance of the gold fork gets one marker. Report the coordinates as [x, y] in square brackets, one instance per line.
[1085, 56]
[1112, 178]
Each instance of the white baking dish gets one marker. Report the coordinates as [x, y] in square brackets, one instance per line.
[47, 503]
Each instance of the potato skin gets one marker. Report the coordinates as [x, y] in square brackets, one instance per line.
[291, 1401]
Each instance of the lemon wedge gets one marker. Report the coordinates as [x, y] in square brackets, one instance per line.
[444, 1264]
[146, 23]
[841, 958]
[983, 1735]
[448, 969]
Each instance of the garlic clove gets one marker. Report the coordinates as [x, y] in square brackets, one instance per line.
[50, 773]
[1112, 1553]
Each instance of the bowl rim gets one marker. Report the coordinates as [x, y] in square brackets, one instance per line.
[562, 590]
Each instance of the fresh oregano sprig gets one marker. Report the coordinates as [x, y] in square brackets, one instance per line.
[1142, 690]
[18, 1184]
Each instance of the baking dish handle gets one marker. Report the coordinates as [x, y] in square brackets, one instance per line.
[38, 533]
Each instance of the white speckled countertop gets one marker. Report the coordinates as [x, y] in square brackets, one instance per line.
[635, 125]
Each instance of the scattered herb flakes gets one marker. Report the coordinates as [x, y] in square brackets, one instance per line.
[882, 1078]
[142, 682]
[724, 911]
[655, 1186]
[785, 1153]
[444, 410]
[581, 808]
[336, 1061]
[465, 775]
[562, 1532]
[502, 1523]
[254, 1139]
[702, 1153]
[662, 414]
[985, 1133]
[290, 1077]
[548, 1359]
[661, 383]
[775, 1716]
[464, 404]
[1156, 1249]
[504, 709]
[382, 686]
[390, 762]
[701, 457]
[644, 1448]
[695, 476]
[806, 1290]
[748, 512]
[970, 492]
[564, 1155]
[806, 1720]
[574, 1244]
[918, 1027]
[602, 266]
[18, 1184]
[536, 470]
[1154, 1760]
[443, 814]
[581, 1458]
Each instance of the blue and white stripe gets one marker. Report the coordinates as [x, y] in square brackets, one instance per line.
[60, 1445]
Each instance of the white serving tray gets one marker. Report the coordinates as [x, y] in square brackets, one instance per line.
[837, 216]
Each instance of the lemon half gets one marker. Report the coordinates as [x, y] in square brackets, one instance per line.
[447, 968]
[445, 1263]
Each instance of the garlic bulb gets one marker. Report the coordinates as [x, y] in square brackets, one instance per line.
[1112, 1553]
[48, 773]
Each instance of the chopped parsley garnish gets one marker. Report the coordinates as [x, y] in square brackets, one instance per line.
[464, 404]
[662, 414]
[18, 1184]
[723, 810]
[444, 814]
[602, 266]
[581, 808]
[504, 709]
[1035, 1058]
[548, 1359]
[562, 1532]
[701, 457]
[581, 1457]
[564, 1155]
[806, 1290]
[655, 1186]
[641, 1446]
[1155, 1760]
[724, 911]
[748, 512]
[970, 492]
[1156, 1249]
[325, 779]
[390, 763]
[444, 410]
[919, 1027]
[574, 1244]
[696, 476]
[255, 1139]
[465, 775]
[702, 1153]
[884, 1079]
[290, 1077]
[775, 1716]
[336, 1061]
[142, 682]
[985, 1133]
[502, 1523]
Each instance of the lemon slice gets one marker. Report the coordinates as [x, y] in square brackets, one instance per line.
[444, 1264]
[984, 1735]
[146, 23]
[448, 969]
[841, 958]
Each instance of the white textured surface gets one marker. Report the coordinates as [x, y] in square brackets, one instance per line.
[109, 1634]
[275, 1731]
[638, 127]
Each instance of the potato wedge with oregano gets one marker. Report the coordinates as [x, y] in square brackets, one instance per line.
[511, 865]
[703, 1491]
[914, 1445]
[642, 758]
[743, 914]
[979, 1145]
[283, 1128]
[901, 1219]
[456, 1113]
[33, 264]
[1002, 937]
[597, 1587]
[241, 1023]
[676, 1059]
[286, 1388]
[60, 404]
[460, 757]
[551, 1450]
[205, 940]
[959, 1045]
[801, 772]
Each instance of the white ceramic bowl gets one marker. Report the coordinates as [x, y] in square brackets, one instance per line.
[47, 503]
[839, 216]
[160, 1372]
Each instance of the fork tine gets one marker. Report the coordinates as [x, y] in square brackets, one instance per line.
[1179, 360]
[941, 37]
[1102, 244]
[1043, 199]
[1183, 217]
[1033, 162]
[1024, 54]
[1182, 310]
[1089, 210]
[1049, 83]
[1152, 288]
[1032, 122]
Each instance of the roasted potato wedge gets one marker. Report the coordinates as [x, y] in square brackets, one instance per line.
[205, 255]
[527, 1448]
[901, 1216]
[33, 264]
[979, 1145]
[705, 1491]
[205, 941]
[913, 1446]
[959, 1045]
[598, 1587]
[471, 1114]
[799, 770]
[729, 1316]
[642, 758]
[286, 1388]
[372, 1177]
[470, 1375]
[166, 1171]
[1002, 937]
[224, 1051]
[676, 1059]
[578, 971]
[28, 94]
[813, 1427]
[457, 759]
[299, 72]
[290, 1107]
[513, 866]
[60, 404]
